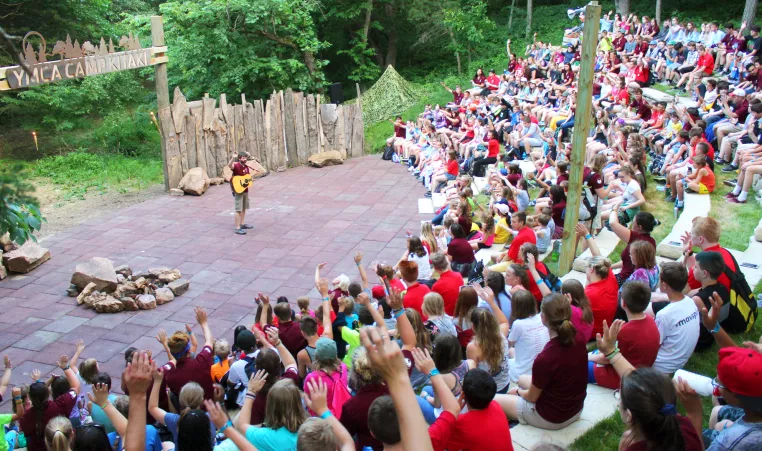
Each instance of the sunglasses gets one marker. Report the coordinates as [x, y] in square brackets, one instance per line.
[716, 387]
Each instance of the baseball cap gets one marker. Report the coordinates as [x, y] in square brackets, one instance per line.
[671, 43]
[504, 171]
[378, 292]
[502, 208]
[325, 349]
[739, 92]
[246, 340]
[652, 43]
[740, 371]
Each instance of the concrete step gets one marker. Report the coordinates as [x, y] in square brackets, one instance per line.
[425, 206]
[606, 241]
[695, 205]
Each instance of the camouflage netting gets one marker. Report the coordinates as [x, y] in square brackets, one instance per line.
[391, 95]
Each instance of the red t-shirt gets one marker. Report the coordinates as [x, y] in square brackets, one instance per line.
[61, 406]
[413, 298]
[603, 297]
[692, 442]
[493, 148]
[561, 373]
[399, 131]
[198, 369]
[526, 235]
[452, 167]
[440, 430]
[259, 406]
[493, 80]
[723, 279]
[707, 61]
[238, 170]
[468, 432]
[627, 266]
[639, 343]
[333, 318]
[448, 286]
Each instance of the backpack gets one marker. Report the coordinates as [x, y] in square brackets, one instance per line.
[552, 280]
[477, 273]
[588, 208]
[742, 298]
[388, 152]
[231, 393]
[340, 392]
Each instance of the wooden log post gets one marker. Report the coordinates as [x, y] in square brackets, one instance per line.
[259, 120]
[579, 138]
[312, 126]
[209, 139]
[300, 129]
[162, 90]
[190, 136]
[200, 148]
[290, 128]
[179, 112]
[239, 134]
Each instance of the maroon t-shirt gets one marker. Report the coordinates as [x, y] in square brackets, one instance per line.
[291, 335]
[240, 169]
[61, 406]
[354, 415]
[198, 369]
[692, 442]
[399, 132]
[627, 267]
[259, 406]
[561, 373]
[460, 250]
[457, 97]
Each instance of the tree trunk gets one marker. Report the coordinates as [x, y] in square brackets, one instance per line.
[457, 54]
[529, 20]
[510, 18]
[658, 12]
[377, 54]
[366, 26]
[469, 56]
[623, 8]
[750, 13]
[309, 61]
[391, 49]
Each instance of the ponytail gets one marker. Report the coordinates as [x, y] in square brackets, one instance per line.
[566, 332]
[557, 313]
[58, 434]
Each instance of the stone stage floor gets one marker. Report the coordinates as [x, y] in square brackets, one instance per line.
[302, 217]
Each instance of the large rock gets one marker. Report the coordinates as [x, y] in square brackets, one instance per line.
[87, 291]
[108, 305]
[164, 295]
[129, 304]
[123, 270]
[26, 258]
[99, 271]
[146, 302]
[216, 181]
[758, 233]
[255, 169]
[126, 289]
[94, 298]
[3, 272]
[179, 286]
[194, 182]
[328, 158]
[165, 275]
[6, 244]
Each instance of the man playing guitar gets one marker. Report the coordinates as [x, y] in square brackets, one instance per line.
[241, 199]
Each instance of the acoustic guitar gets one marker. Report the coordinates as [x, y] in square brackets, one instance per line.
[241, 183]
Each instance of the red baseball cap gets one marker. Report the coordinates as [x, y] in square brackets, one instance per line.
[740, 371]
[378, 292]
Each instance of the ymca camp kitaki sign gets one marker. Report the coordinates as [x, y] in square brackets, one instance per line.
[75, 60]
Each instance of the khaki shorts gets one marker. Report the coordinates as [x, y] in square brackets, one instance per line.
[242, 201]
[528, 415]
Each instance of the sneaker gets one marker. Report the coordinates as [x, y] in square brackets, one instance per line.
[427, 194]
[730, 194]
[671, 199]
[730, 168]
[247, 226]
[240, 232]
[731, 183]
[411, 169]
[734, 200]
[720, 161]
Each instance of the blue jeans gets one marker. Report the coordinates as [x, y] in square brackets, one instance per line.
[426, 407]
[440, 216]
[711, 123]
[563, 127]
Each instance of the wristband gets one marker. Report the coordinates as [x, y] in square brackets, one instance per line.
[250, 395]
[17, 398]
[539, 281]
[326, 414]
[225, 426]
[588, 236]
[105, 404]
[434, 372]
[612, 353]
[327, 298]
[39, 380]
[398, 313]
[190, 332]
[67, 367]
[716, 329]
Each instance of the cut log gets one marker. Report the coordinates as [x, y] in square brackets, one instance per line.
[300, 129]
[259, 122]
[227, 114]
[271, 163]
[328, 122]
[347, 113]
[280, 149]
[250, 132]
[179, 110]
[190, 138]
[239, 137]
[312, 126]
[321, 135]
[341, 140]
[174, 158]
[358, 133]
[220, 151]
[290, 128]
[208, 109]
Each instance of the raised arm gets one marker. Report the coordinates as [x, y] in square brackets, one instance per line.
[317, 272]
[538, 280]
[256, 382]
[285, 356]
[425, 365]
[582, 231]
[317, 402]
[221, 420]
[489, 297]
[364, 300]
[386, 358]
[232, 162]
[363, 276]
[99, 396]
[621, 231]
[75, 357]
[161, 337]
[153, 401]
[6, 379]
[201, 317]
[322, 286]
[137, 379]
[193, 341]
[711, 320]
[71, 376]
[405, 329]
[607, 346]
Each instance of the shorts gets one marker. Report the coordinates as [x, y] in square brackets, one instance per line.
[449, 176]
[703, 189]
[242, 201]
[533, 142]
[673, 66]
[528, 415]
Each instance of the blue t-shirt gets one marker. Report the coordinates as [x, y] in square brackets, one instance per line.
[172, 420]
[153, 441]
[100, 417]
[266, 439]
[741, 436]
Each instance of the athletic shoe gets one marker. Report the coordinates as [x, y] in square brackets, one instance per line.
[240, 232]
[730, 194]
[671, 199]
[730, 168]
[427, 194]
[731, 183]
[734, 200]
[247, 226]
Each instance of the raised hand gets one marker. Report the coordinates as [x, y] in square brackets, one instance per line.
[321, 265]
[189, 328]
[607, 341]
[63, 362]
[317, 400]
[138, 376]
[257, 382]
[363, 299]
[201, 315]
[80, 346]
[531, 260]
[7, 362]
[99, 396]
[272, 336]
[423, 360]
[158, 375]
[358, 257]
[161, 336]
[394, 299]
[712, 317]
[218, 416]
[36, 375]
[581, 230]
[385, 355]
[322, 286]
[264, 298]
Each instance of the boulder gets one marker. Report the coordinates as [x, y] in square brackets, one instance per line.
[108, 305]
[146, 302]
[164, 295]
[26, 258]
[328, 158]
[227, 173]
[170, 276]
[98, 270]
[176, 192]
[129, 304]
[123, 270]
[126, 289]
[120, 278]
[758, 233]
[3, 272]
[153, 273]
[195, 182]
[95, 297]
[87, 291]
[179, 286]
[255, 169]
[72, 291]
[216, 181]
[141, 282]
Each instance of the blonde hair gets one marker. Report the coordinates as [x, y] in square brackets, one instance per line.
[433, 304]
[221, 347]
[191, 396]
[284, 407]
[427, 236]
[422, 339]
[88, 369]
[304, 304]
[58, 434]
[601, 266]
[349, 305]
[178, 341]
[342, 282]
[362, 372]
[707, 227]
[488, 336]
[316, 434]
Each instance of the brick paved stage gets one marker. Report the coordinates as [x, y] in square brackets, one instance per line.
[302, 217]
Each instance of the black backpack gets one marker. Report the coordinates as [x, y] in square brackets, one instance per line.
[231, 393]
[588, 208]
[552, 280]
[388, 152]
[743, 306]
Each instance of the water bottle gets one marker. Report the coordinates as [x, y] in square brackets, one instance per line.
[556, 251]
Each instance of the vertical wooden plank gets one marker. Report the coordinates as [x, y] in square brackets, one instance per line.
[277, 123]
[239, 135]
[183, 148]
[290, 128]
[174, 163]
[340, 127]
[271, 164]
[200, 151]
[321, 136]
[358, 133]
[250, 130]
[259, 122]
[348, 111]
[162, 92]
[300, 129]
[312, 126]
[190, 137]
[220, 146]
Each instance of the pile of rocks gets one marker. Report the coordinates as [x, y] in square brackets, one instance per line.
[20, 259]
[98, 285]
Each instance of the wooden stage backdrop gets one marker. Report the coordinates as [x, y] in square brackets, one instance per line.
[280, 132]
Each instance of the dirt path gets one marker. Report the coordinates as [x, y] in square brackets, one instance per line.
[61, 214]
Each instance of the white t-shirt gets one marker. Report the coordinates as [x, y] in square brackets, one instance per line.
[424, 267]
[530, 337]
[629, 192]
[237, 373]
[679, 325]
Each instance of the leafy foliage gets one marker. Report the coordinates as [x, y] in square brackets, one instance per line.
[19, 210]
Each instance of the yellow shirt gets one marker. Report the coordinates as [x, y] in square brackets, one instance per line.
[501, 234]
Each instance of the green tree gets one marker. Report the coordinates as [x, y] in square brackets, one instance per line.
[19, 210]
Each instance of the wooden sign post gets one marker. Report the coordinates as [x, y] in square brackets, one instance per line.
[582, 119]
[162, 93]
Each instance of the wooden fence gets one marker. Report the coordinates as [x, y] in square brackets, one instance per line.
[279, 132]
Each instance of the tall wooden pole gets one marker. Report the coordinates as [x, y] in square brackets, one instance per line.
[582, 119]
[162, 90]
